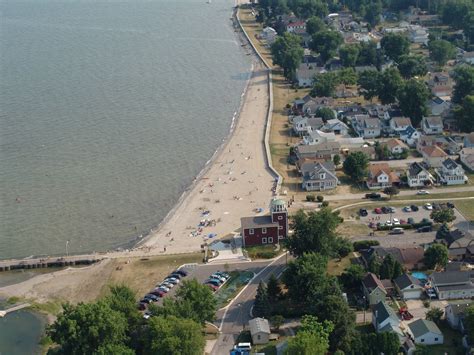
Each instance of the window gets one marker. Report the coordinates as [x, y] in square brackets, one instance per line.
[270, 240]
[280, 218]
[251, 231]
[264, 230]
[422, 340]
[258, 337]
[436, 339]
[264, 240]
[280, 227]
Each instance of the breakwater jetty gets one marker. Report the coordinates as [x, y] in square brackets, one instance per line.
[13, 309]
[37, 263]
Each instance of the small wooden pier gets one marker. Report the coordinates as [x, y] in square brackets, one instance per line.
[13, 309]
[38, 263]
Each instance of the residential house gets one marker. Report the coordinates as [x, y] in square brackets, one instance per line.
[399, 124]
[418, 176]
[411, 258]
[396, 146]
[417, 34]
[259, 331]
[468, 141]
[325, 151]
[433, 156]
[432, 125]
[303, 124]
[366, 149]
[366, 127]
[335, 126]
[468, 57]
[466, 155]
[317, 137]
[262, 230]
[440, 84]
[269, 35]
[306, 72]
[425, 332]
[292, 27]
[408, 287]
[383, 315]
[451, 173]
[382, 112]
[381, 176]
[311, 104]
[455, 313]
[373, 289]
[460, 245]
[319, 176]
[439, 106]
[452, 284]
[410, 136]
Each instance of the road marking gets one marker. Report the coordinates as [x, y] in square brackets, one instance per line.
[250, 281]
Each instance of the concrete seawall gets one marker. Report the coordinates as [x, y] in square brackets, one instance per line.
[8, 265]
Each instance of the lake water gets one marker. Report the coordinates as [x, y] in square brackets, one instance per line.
[108, 110]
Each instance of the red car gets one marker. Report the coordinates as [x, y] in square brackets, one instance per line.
[214, 288]
[378, 210]
[158, 292]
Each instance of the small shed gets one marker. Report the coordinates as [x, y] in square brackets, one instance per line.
[425, 332]
[259, 330]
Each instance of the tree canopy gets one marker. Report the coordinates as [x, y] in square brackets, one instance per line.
[356, 166]
[464, 78]
[326, 43]
[436, 256]
[287, 53]
[412, 65]
[441, 51]
[464, 114]
[444, 215]
[312, 338]
[412, 98]
[395, 45]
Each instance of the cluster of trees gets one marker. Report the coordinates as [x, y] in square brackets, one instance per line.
[113, 325]
[463, 97]
[356, 166]
[364, 53]
[267, 297]
[325, 84]
[436, 256]
[459, 14]
[287, 53]
[389, 268]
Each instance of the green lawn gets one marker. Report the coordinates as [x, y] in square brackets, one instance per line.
[452, 342]
[238, 279]
[466, 208]
[262, 251]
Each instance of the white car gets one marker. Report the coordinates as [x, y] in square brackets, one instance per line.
[407, 209]
[163, 288]
[428, 206]
[218, 277]
[423, 192]
[389, 223]
[396, 222]
[172, 280]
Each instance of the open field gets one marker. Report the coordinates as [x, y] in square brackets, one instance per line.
[466, 208]
[337, 266]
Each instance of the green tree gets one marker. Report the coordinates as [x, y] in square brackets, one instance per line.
[356, 166]
[443, 232]
[195, 301]
[174, 336]
[375, 343]
[311, 339]
[372, 12]
[390, 84]
[314, 232]
[434, 314]
[349, 55]
[261, 307]
[87, 327]
[347, 76]
[277, 321]
[314, 25]
[391, 191]
[412, 65]
[395, 45]
[324, 84]
[464, 114]
[436, 256]
[287, 53]
[336, 160]
[469, 323]
[441, 51]
[370, 82]
[374, 265]
[412, 100]
[273, 289]
[390, 268]
[368, 54]
[326, 43]
[325, 113]
[352, 276]
[464, 78]
[445, 215]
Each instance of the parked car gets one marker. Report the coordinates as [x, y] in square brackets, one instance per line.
[450, 205]
[373, 195]
[167, 284]
[363, 212]
[402, 221]
[385, 209]
[423, 192]
[181, 272]
[392, 209]
[213, 282]
[214, 288]
[146, 300]
[372, 225]
[436, 206]
[141, 306]
[397, 230]
[147, 315]
[153, 297]
[223, 274]
[428, 206]
[389, 223]
[411, 220]
[163, 288]
[414, 208]
[407, 209]
[175, 275]
[158, 292]
[172, 280]
[424, 229]
[378, 210]
[395, 221]
[218, 277]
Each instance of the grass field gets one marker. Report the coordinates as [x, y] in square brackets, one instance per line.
[238, 279]
[466, 208]
[337, 266]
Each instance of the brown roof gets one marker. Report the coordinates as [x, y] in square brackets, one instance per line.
[401, 121]
[434, 152]
[392, 143]
[411, 256]
[375, 169]
[371, 282]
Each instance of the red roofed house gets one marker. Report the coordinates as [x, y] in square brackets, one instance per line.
[293, 27]
[433, 156]
[381, 176]
[396, 146]
[261, 230]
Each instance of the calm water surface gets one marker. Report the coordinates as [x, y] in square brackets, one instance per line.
[108, 110]
[20, 333]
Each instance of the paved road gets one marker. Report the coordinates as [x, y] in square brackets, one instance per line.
[235, 317]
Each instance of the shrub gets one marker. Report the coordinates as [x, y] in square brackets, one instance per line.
[324, 204]
[310, 198]
[365, 244]
[320, 198]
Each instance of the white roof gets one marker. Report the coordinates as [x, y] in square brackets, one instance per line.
[259, 325]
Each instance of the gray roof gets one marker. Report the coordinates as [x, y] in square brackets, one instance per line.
[371, 282]
[313, 172]
[317, 148]
[414, 169]
[257, 222]
[433, 121]
[315, 122]
[401, 121]
[406, 280]
[450, 277]
[258, 325]
[459, 308]
[422, 326]
[450, 164]
[467, 287]
[382, 311]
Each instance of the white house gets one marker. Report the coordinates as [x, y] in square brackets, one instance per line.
[410, 136]
[380, 176]
[418, 176]
[366, 127]
[336, 126]
[417, 34]
[319, 176]
[433, 156]
[439, 106]
[269, 34]
[395, 146]
[317, 137]
[451, 173]
[432, 125]
[468, 57]
[455, 313]
[306, 72]
[259, 330]
[408, 287]
[399, 124]
[296, 26]
[303, 125]
[383, 315]
[425, 332]
[466, 155]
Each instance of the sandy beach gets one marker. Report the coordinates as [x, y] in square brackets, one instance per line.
[235, 184]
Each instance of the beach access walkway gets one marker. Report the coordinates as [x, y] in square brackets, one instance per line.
[13, 309]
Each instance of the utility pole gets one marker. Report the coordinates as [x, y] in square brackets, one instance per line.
[67, 250]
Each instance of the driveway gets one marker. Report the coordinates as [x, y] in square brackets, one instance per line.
[416, 307]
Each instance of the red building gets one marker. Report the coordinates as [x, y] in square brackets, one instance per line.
[261, 230]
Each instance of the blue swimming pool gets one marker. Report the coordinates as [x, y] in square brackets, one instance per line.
[419, 275]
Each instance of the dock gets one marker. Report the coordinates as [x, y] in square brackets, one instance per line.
[46, 262]
[13, 309]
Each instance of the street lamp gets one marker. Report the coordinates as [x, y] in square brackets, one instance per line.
[67, 250]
